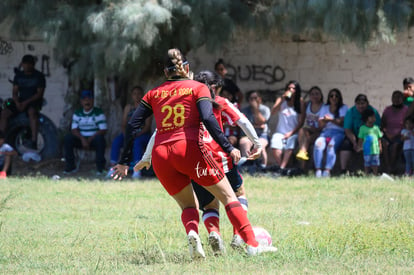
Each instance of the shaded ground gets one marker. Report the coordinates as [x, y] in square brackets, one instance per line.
[50, 168]
[54, 167]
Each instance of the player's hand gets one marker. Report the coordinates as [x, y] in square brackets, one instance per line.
[255, 154]
[141, 164]
[119, 171]
[235, 155]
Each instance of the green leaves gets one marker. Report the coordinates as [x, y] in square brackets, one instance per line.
[117, 37]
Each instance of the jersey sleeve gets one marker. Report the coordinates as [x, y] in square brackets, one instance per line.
[210, 122]
[230, 112]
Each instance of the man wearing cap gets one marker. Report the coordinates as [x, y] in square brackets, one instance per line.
[352, 123]
[88, 132]
[28, 89]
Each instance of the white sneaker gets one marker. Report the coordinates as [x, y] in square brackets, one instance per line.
[318, 174]
[237, 243]
[326, 174]
[254, 251]
[216, 243]
[194, 245]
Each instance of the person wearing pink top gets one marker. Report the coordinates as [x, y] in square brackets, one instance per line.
[392, 122]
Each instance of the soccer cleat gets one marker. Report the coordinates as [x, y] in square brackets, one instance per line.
[318, 173]
[303, 155]
[194, 245]
[260, 249]
[216, 243]
[237, 243]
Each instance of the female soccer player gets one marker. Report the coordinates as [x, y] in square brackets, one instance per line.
[179, 105]
[223, 111]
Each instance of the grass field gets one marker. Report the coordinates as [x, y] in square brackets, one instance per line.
[333, 226]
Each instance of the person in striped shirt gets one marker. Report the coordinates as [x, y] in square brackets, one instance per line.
[88, 131]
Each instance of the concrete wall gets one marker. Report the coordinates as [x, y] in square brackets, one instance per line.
[11, 53]
[256, 64]
[270, 64]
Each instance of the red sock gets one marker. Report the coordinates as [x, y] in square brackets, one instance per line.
[245, 205]
[211, 219]
[190, 218]
[239, 220]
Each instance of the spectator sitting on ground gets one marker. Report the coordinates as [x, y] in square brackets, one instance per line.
[88, 132]
[392, 123]
[310, 130]
[229, 84]
[6, 154]
[141, 139]
[258, 114]
[352, 123]
[408, 86]
[331, 122]
[231, 132]
[369, 141]
[28, 89]
[407, 135]
[290, 108]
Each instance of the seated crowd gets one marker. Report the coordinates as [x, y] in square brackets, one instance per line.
[316, 132]
[322, 132]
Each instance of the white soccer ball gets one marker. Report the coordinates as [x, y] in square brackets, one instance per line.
[263, 237]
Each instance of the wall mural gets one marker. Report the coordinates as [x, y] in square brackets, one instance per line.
[6, 48]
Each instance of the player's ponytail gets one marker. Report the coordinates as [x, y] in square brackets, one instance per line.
[175, 63]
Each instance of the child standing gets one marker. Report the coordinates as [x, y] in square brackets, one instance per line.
[6, 153]
[407, 135]
[369, 141]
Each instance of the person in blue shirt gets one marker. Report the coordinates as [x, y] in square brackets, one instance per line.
[352, 122]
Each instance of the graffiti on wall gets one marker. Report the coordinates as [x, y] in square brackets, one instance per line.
[264, 73]
[5, 47]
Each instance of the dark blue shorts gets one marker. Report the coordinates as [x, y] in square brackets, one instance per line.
[204, 197]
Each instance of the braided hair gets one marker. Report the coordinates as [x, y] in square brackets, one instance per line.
[174, 63]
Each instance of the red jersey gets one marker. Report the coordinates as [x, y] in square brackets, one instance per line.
[229, 113]
[175, 111]
[177, 156]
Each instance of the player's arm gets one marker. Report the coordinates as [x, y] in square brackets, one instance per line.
[146, 158]
[250, 132]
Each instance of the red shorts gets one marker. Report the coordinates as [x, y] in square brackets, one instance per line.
[177, 163]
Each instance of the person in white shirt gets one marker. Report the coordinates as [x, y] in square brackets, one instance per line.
[290, 108]
[332, 135]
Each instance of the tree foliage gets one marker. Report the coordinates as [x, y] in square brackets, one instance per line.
[123, 37]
